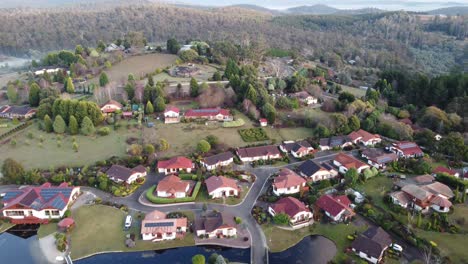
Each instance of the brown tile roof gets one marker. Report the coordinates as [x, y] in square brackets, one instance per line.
[215, 159]
[424, 179]
[215, 182]
[372, 242]
[416, 192]
[349, 161]
[290, 206]
[287, 178]
[215, 220]
[379, 155]
[112, 102]
[439, 188]
[172, 184]
[364, 135]
[258, 151]
[123, 173]
[408, 148]
[334, 204]
[176, 163]
[441, 201]
[448, 171]
[402, 197]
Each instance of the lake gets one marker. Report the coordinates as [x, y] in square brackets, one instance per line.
[311, 250]
[14, 249]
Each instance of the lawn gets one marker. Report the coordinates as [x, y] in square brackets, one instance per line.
[452, 245]
[279, 239]
[34, 154]
[99, 228]
[295, 133]
[4, 226]
[355, 91]
[460, 212]
[376, 188]
[204, 198]
[45, 230]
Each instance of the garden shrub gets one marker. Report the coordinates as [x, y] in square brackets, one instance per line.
[104, 131]
[253, 134]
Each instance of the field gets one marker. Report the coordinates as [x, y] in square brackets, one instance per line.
[356, 91]
[138, 65]
[451, 245]
[376, 188]
[460, 215]
[100, 228]
[206, 72]
[34, 154]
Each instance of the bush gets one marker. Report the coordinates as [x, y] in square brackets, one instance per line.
[253, 134]
[103, 131]
[186, 176]
[159, 200]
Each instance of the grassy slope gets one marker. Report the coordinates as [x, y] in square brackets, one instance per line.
[45, 230]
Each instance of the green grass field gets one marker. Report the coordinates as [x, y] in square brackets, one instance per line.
[99, 228]
[45, 230]
[376, 188]
[451, 245]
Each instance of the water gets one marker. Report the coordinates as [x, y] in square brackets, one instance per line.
[14, 249]
[174, 256]
[311, 250]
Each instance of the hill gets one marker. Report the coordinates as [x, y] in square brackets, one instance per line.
[450, 11]
[312, 10]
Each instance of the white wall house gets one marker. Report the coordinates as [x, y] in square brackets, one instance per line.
[224, 192]
[176, 194]
[217, 165]
[227, 232]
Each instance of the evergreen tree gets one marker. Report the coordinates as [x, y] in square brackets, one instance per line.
[203, 146]
[73, 125]
[173, 46]
[81, 111]
[354, 123]
[269, 112]
[150, 80]
[103, 79]
[159, 104]
[12, 171]
[59, 125]
[217, 76]
[130, 90]
[194, 88]
[48, 124]
[231, 69]
[70, 87]
[149, 109]
[87, 127]
[252, 94]
[34, 95]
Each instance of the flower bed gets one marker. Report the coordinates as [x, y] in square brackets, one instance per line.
[160, 200]
[253, 134]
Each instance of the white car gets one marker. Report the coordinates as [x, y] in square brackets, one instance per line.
[128, 221]
[396, 247]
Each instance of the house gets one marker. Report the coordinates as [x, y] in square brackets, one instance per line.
[111, 106]
[335, 142]
[174, 165]
[298, 149]
[171, 115]
[421, 197]
[336, 207]
[156, 227]
[263, 122]
[37, 205]
[288, 182]
[19, 112]
[49, 71]
[216, 224]
[316, 172]
[172, 187]
[364, 137]
[268, 152]
[221, 186]
[372, 244]
[447, 171]
[378, 158]
[185, 47]
[216, 114]
[121, 174]
[299, 214]
[305, 98]
[113, 47]
[345, 162]
[218, 160]
[406, 149]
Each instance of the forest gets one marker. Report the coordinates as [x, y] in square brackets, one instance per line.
[383, 40]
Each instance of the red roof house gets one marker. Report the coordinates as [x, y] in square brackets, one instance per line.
[175, 165]
[406, 149]
[171, 115]
[66, 223]
[172, 186]
[364, 137]
[345, 162]
[297, 211]
[111, 106]
[218, 114]
[221, 186]
[448, 171]
[263, 122]
[336, 207]
[288, 182]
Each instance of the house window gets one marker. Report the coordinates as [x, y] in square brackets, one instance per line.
[15, 213]
[55, 213]
[47, 213]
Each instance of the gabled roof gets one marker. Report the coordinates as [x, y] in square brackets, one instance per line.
[290, 206]
[334, 205]
[215, 182]
[296, 146]
[437, 188]
[416, 192]
[372, 242]
[408, 148]
[379, 155]
[215, 159]
[124, 173]
[363, 136]
[206, 112]
[157, 223]
[175, 163]
[441, 201]
[172, 184]
[349, 161]
[287, 178]
[334, 141]
[310, 167]
[172, 108]
[401, 196]
[112, 102]
[448, 171]
[45, 196]
[215, 220]
[252, 152]
[423, 179]
[263, 120]
[16, 110]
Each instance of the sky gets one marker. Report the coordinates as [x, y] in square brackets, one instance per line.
[410, 5]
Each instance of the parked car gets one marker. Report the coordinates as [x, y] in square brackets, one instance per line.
[128, 221]
[396, 247]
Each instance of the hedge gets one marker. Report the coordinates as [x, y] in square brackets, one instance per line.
[160, 200]
[253, 134]
[187, 176]
[16, 129]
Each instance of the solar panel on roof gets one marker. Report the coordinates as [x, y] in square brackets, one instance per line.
[205, 110]
[385, 159]
[11, 194]
[160, 224]
[407, 145]
[58, 203]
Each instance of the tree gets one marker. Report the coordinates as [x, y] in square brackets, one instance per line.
[149, 109]
[173, 46]
[79, 50]
[34, 95]
[48, 124]
[281, 219]
[12, 170]
[213, 140]
[103, 79]
[354, 123]
[203, 146]
[217, 76]
[346, 97]
[188, 55]
[351, 177]
[194, 88]
[252, 94]
[198, 259]
[163, 145]
[270, 113]
[148, 149]
[150, 80]
[231, 69]
[87, 126]
[59, 125]
[12, 94]
[322, 131]
[70, 87]
[159, 104]
[73, 125]
[75, 146]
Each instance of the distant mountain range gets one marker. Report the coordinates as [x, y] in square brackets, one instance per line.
[450, 11]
